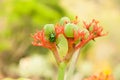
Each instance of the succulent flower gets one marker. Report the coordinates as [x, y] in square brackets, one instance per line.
[66, 38]
[100, 76]
[76, 38]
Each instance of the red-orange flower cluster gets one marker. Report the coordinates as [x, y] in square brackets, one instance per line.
[40, 40]
[79, 39]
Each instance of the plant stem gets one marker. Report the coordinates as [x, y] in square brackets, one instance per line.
[72, 64]
[61, 70]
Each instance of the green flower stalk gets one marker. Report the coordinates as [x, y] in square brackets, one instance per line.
[61, 70]
[65, 38]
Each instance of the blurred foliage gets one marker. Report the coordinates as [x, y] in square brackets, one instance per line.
[15, 79]
[18, 19]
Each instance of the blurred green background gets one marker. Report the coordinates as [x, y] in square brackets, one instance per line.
[21, 18]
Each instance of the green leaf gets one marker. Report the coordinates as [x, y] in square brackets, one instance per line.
[62, 45]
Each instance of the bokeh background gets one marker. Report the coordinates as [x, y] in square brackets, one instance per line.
[19, 19]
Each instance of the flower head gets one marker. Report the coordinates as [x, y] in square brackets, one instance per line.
[76, 38]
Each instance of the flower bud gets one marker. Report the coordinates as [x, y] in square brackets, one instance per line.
[69, 30]
[64, 20]
[48, 29]
[91, 28]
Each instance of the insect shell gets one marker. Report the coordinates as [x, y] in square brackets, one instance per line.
[52, 37]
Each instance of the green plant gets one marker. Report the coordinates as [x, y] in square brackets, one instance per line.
[65, 39]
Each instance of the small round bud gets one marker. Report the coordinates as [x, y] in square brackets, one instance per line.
[69, 30]
[48, 29]
[64, 20]
[91, 28]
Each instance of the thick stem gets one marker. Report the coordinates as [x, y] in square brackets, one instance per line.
[56, 55]
[61, 70]
[69, 54]
[72, 65]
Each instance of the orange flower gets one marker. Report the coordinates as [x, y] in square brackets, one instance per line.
[100, 76]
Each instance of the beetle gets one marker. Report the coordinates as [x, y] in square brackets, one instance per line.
[52, 37]
[49, 31]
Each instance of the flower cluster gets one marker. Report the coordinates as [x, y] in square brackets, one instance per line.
[76, 38]
[100, 76]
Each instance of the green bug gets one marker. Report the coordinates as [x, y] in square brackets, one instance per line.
[50, 32]
[52, 37]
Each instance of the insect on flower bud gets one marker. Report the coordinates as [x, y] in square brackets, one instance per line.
[64, 20]
[69, 30]
[52, 37]
[49, 31]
